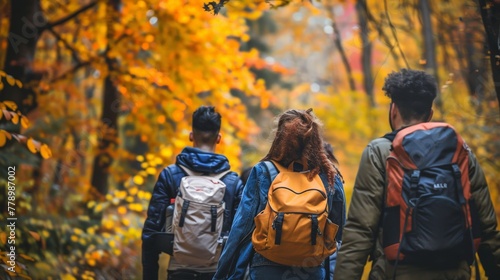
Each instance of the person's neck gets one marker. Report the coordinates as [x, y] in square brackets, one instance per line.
[409, 123]
[206, 148]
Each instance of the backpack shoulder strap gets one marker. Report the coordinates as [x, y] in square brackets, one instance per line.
[188, 171]
[194, 173]
[176, 173]
[272, 169]
[390, 136]
[229, 180]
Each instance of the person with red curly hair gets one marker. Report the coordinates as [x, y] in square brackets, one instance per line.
[298, 143]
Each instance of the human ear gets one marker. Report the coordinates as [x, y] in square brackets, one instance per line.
[430, 115]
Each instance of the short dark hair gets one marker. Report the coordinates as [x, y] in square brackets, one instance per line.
[206, 124]
[413, 91]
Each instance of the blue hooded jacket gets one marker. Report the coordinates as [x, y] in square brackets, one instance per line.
[166, 187]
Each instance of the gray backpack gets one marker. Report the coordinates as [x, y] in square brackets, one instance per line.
[198, 218]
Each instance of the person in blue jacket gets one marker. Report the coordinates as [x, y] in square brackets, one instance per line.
[200, 158]
[297, 139]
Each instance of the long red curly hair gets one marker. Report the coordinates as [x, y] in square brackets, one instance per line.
[298, 138]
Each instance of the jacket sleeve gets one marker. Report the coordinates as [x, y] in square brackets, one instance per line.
[232, 198]
[237, 196]
[238, 249]
[489, 248]
[361, 229]
[155, 221]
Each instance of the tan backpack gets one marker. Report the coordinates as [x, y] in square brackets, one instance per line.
[294, 229]
[197, 219]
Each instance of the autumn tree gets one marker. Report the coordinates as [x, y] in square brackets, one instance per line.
[490, 14]
[109, 72]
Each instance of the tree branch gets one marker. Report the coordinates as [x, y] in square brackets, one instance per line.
[68, 17]
[67, 73]
[338, 44]
[74, 53]
[394, 34]
[380, 30]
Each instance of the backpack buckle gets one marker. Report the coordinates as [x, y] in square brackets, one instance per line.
[278, 226]
[414, 178]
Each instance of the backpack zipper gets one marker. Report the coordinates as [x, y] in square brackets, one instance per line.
[308, 190]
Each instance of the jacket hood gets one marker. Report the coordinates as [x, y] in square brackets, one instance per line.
[202, 161]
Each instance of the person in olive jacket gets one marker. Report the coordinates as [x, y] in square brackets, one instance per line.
[412, 93]
[200, 158]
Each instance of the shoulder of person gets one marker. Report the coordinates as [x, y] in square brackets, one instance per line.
[380, 142]
[231, 176]
[380, 146]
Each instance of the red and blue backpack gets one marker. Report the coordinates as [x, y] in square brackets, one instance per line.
[429, 216]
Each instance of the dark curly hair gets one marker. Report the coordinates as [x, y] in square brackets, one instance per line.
[298, 139]
[206, 124]
[413, 91]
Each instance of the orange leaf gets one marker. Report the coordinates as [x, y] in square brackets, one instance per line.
[25, 122]
[3, 138]
[3, 237]
[10, 80]
[35, 235]
[31, 145]
[26, 257]
[7, 115]
[45, 151]
[15, 118]
[10, 104]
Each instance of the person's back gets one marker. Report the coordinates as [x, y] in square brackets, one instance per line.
[293, 154]
[197, 160]
[412, 93]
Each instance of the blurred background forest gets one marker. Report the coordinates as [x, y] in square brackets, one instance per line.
[96, 98]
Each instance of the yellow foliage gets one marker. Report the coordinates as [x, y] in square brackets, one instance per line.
[151, 170]
[99, 207]
[122, 210]
[139, 180]
[67, 276]
[136, 207]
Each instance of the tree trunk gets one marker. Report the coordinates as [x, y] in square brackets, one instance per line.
[476, 66]
[490, 13]
[340, 48]
[25, 20]
[429, 45]
[366, 55]
[108, 137]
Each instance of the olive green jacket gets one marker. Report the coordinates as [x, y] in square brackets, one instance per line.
[362, 236]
